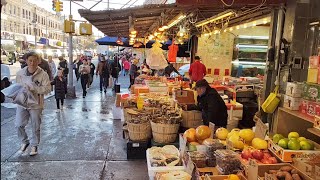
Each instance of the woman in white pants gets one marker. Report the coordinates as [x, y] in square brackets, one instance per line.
[37, 81]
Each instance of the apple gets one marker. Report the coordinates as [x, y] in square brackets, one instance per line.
[266, 155]
[273, 160]
[257, 154]
[246, 154]
[266, 161]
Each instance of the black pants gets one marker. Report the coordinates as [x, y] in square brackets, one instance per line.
[131, 81]
[58, 103]
[84, 82]
[104, 82]
[77, 74]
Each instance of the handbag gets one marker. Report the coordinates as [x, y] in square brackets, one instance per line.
[272, 102]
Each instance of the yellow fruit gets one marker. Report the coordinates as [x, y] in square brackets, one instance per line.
[258, 143]
[233, 177]
[203, 132]
[246, 134]
[190, 135]
[293, 135]
[232, 133]
[222, 133]
[236, 142]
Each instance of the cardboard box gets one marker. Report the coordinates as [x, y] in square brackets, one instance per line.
[264, 169]
[312, 75]
[191, 119]
[184, 96]
[291, 103]
[286, 155]
[294, 89]
[316, 122]
[314, 61]
[308, 166]
[311, 92]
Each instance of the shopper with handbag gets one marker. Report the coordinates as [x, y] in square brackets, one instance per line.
[84, 70]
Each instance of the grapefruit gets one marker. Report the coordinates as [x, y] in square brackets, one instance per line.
[246, 134]
[258, 143]
[190, 135]
[203, 132]
[236, 142]
[222, 133]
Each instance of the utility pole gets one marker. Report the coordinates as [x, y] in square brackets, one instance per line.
[71, 89]
[64, 34]
[34, 21]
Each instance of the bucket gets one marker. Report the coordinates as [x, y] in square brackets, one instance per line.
[139, 132]
[164, 133]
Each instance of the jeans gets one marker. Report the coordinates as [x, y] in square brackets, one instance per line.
[22, 118]
[58, 103]
[104, 82]
[84, 82]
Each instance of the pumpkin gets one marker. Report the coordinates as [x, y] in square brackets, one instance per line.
[190, 135]
[203, 132]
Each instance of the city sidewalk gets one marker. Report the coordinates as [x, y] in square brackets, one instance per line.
[80, 142]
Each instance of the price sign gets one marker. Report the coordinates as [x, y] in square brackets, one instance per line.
[211, 126]
[182, 144]
[252, 170]
[190, 166]
[261, 129]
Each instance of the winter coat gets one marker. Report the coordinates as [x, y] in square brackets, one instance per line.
[64, 65]
[103, 69]
[133, 71]
[40, 83]
[213, 108]
[46, 67]
[115, 69]
[60, 88]
[92, 68]
[197, 71]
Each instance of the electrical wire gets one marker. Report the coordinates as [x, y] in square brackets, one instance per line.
[228, 5]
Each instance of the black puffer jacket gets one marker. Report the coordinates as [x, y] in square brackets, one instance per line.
[60, 88]
[213, 108]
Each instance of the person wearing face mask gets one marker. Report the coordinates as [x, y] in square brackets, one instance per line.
[211, 104]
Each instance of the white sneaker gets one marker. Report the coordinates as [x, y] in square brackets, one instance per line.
[34, 151]
[23, 148]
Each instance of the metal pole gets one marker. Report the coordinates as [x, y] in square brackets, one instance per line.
[35, 29]
[47, 32]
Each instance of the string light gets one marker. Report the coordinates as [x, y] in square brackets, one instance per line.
[231, 29]
[238, 27]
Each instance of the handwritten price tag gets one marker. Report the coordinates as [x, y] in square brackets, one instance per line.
[182, 144]
[190, 166]
[252, 170]
[261, 129]
[211, 126]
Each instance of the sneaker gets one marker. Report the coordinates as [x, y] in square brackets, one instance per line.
[105, 90]
[24, 147]
[34, 151]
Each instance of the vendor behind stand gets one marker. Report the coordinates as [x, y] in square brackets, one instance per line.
[211, 104]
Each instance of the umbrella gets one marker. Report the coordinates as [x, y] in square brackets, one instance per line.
[108, 40]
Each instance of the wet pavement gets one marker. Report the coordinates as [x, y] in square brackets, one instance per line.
[82, 141]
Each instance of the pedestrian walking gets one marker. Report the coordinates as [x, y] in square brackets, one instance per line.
[126, 67]
[115, 70]
[37, 81]
[91, 74]
[63, 65]
[84, 70]
[103, 70]
[77, 62]
[133, 71]
[53, 68]
[60, 88]
[46, 67]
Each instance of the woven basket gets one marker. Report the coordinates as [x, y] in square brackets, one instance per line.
[139, 132]
[191, 124]
[191, 119]
[164, 138]
[165, 128]
[127, 116]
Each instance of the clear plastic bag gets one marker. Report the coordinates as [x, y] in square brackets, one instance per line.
[20, 96]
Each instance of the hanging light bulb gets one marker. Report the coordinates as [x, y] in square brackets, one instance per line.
[225, 30]
[161, 29]
[150, 37]
[231, 29]
[156, 33]
[245, 26]
[265, 21]
[254, 23]
[133, 32]
[132, 35]
[238, 27]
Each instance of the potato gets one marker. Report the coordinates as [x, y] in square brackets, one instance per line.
[294, 171]
[286, 168]
[288, 176]
[296, 177]
[281, 174]
[274, 177]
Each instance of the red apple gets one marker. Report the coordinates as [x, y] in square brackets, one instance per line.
[246, 154]
[257, 154]
[266, 161]
[273, 160]
[266, 155]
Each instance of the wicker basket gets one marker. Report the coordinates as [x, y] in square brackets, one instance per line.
[128, 116]
[139, 132]
[164, 133]
[191, 124]
[164, 138]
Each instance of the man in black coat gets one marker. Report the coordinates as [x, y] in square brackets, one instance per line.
[211, 104]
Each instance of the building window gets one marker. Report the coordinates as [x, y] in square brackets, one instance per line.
[29, 15]
[14, 9]
[23, 13]
[19, 12]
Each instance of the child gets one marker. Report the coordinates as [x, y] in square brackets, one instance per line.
[60, 88]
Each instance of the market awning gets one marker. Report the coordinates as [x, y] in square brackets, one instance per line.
[147, 18]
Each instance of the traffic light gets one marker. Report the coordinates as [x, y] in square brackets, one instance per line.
[59, 6]
[54, 5]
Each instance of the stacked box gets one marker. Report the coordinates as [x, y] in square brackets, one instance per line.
[313, 71]
[311, 92]
[293, 95]
[291, 103]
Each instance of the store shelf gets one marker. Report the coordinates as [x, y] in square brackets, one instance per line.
[314, 131]
[298, 114]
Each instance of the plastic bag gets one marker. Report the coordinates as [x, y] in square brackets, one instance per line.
[20, 96]
[117, 113]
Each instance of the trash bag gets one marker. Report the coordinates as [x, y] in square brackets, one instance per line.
[20, 96]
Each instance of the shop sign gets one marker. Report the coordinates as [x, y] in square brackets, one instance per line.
[7, 35]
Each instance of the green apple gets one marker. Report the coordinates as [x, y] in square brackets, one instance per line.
[283, 143]
[277, 137]
[293, 135]
[302, 139]
[306, 145]
[293, 144]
